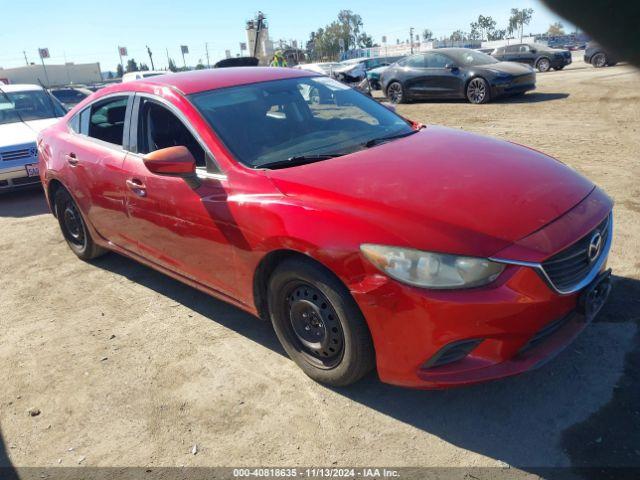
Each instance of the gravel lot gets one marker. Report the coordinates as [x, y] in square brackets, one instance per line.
[128, 367]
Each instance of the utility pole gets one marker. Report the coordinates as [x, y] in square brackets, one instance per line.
[25, 58]
[150, 57]
[411, 39]
[261, 18]
[206, 49]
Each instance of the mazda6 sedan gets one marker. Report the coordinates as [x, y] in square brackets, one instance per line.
[438, 257]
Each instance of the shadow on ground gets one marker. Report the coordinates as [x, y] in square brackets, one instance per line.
[7, 472]
[576, 411]
[23, 203]
[533, 97]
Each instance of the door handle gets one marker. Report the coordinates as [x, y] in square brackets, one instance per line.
[72, 159]
[137, 187]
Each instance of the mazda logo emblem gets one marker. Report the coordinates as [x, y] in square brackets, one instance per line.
[595, 246]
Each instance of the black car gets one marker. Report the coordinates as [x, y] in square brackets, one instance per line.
[455, 73]
[70, 96]
[598, 56]
[537, 55]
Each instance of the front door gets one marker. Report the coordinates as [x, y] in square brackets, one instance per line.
[182, 224]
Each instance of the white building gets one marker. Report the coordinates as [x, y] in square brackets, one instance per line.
[265, 49]
[85, 73]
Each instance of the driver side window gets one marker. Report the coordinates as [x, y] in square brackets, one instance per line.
[159, 128]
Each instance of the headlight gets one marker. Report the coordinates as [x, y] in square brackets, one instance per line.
[432, 270]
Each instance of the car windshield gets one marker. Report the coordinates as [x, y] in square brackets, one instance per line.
[272, 122]
[27, 105]
[469, 58]
[69, 96]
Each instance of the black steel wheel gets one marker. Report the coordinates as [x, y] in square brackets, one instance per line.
[478, 91]
[74, 229]
[543, 65]
[599, 60]
[395, 93]
[318, 323]
[315, 328]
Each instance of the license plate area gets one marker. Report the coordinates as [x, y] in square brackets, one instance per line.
[593, 298]
[32, 169]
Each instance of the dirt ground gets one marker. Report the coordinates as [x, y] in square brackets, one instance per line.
[131, 368]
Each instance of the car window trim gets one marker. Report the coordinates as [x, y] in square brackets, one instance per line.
[209, 157]
[111, 146]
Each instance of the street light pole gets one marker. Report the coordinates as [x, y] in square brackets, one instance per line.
[411, 39]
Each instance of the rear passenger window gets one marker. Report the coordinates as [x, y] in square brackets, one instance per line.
[106, 120]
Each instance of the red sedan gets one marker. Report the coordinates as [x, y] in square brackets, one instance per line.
[439, 257]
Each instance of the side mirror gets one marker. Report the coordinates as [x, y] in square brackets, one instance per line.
[171, 161]
[451, 66]
[389, 106]
[534, 50]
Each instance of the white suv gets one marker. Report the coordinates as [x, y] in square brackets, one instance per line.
[24, 111]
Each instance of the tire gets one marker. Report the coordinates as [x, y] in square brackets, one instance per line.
[74, 229]
[543, 64]
[611, 63]
[599, 60]
[557, 69]
[395, 93]
[477, 91]
[319, 324]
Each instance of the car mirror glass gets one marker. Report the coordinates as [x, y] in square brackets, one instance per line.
[171, 161]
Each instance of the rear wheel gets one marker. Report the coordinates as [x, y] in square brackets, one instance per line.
[478, 91]
[74, 227]
[319, 324]
[599, 60]
[558, 68]
[395, 93]
[543, 65]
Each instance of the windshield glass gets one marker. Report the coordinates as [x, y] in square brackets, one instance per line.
[29, 105]
[471, 58]
[70, 96]
[274, 121]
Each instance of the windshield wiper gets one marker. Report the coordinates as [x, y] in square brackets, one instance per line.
[377, 141]
[299, 160]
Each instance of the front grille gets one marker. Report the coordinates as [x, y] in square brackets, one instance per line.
[17, 154]
[25, 180]
[572, 265]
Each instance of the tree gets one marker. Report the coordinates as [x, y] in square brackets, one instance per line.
[200, 65]
[555, 29]
[519, 18]
[497, 35]
[351, 23]
[427, 35]
[172, 65]
[344, 33]
[458, 36]
[110, 75]
[132, 66]
[365, 41]
[119, 71]
[143, 67]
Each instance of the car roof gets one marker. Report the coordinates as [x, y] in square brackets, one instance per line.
[20, 87]
[211, 79]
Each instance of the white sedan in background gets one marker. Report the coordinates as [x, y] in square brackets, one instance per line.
[24, 111]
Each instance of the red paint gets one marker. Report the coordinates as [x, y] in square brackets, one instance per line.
[440, 190]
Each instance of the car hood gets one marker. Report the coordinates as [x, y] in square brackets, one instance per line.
[442, 189]
[513, 68]
[19, 133]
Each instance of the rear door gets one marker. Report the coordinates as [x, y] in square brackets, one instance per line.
[414, 73]
[92, 154]
[512, 53]
[180, 223]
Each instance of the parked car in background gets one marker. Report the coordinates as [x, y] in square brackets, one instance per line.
[70, 96]
[355, 70]
[373, 76]
[598, 56]
[24, 111]
[440, 257]
[133, 76]
[537, 55]
[323, 68]
[455, 73]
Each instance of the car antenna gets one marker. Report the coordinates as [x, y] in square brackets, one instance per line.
[53, 105]
[9, 100]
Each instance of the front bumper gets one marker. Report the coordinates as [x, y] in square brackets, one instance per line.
[412, 326]
[16, 177]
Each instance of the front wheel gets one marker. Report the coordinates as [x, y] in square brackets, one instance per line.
[74, 228]
[319, 324]
[478, 91]
[543, 65]
[395, 93]
[599, 60]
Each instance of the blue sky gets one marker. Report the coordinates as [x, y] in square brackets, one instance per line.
[88, 32]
